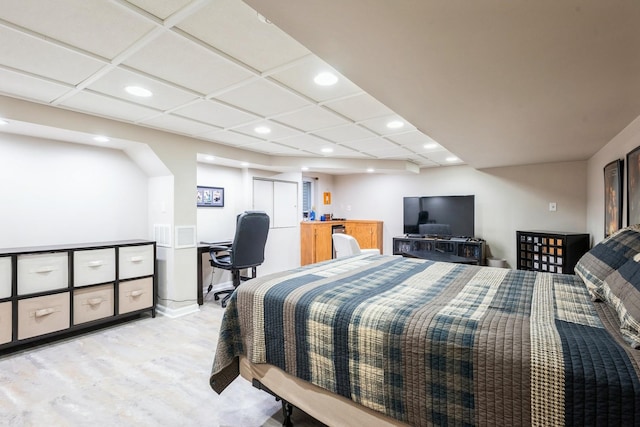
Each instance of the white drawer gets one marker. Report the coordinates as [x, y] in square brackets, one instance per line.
[42, 315]
[135, 295]
[136, 261]
[94, 266]
[42, 272]
[92, 303]
[5, 277]
[5, 322]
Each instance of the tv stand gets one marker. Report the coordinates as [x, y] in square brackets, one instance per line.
[467, 250]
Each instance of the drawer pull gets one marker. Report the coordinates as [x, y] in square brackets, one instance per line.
[136, 293]
[45, 269]
[137, 259]
[44, 312]
[95, 301]
[97, 263]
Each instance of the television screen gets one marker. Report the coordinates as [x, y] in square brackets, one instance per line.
[440, 215]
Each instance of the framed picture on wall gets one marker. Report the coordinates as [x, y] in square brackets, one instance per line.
[210, 197]
[613, 197]
[633, 187]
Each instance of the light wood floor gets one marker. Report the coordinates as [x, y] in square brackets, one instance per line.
[148, 372]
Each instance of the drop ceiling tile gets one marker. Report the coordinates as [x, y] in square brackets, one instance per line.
[391, 152]
[263, 98]
[440, 157]
[164, 96]
[80, 23]
[304, 142]
[370, 144]
[414, 138]
[379, 125]
[360, 107]
[176, 59]
[300, 78]
[344, 134]
[94, 103]
[161, 9]
[233, 27]
[178, 124]
[230, 138]
[27, 87]
[272, 148]
[311, 119]
[215, 113]
[278, 131]
[338, 150]
[33, 55]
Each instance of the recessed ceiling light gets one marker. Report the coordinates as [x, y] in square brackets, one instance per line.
[138, 91]
[430, 145]
[305, 168]
[263, 19]
[209, 158]
[371, 170]
[100, 138]
[395, 124]
[244, 164]
[3, 122]
[452, 159]
[327, 150]
[262, 130]
[325, 79]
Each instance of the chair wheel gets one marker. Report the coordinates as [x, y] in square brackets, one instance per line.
[224, 304]
[216, 297]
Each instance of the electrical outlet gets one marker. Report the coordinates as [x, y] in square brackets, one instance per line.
[552, 206]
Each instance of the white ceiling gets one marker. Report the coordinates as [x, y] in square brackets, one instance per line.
[216, 72]
[496, 82]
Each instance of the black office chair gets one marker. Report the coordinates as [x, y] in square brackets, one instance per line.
[246, 251]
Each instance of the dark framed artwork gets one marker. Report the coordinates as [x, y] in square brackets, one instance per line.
[613, 197]
[633, 187]
[210, 197]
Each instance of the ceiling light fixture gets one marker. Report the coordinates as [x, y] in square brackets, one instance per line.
[138, 91]
[325, 79]
[395, 124]
[305, 168]
[430, 145]
[244, 164]
[209, 158]
[371, 170]
[263, 19]
[327, 150]
[3, 122]
[100, 138]
[452, 159]
[262, 130]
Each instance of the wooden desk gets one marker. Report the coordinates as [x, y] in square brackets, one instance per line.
[203, 247]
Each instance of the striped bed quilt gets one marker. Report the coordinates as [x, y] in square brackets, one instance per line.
[433, 343]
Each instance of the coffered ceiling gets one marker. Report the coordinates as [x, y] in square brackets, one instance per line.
[217, 70]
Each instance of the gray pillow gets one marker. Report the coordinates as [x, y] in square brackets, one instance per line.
[621, 289]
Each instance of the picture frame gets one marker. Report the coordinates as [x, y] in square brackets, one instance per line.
[210, 197]
[633, 186]
[613, 173]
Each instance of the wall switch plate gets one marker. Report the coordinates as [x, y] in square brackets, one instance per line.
[552, 206]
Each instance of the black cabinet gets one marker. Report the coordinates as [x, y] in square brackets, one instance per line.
[471, 249]
[550, 251]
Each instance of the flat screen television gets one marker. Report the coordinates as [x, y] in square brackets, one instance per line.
[440, 216]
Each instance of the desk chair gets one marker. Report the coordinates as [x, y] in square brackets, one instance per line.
[246, 251]
[346, 245]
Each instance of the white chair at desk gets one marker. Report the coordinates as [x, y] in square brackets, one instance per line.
[346, 245]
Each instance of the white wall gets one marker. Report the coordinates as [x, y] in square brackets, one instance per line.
[61, 193]
[507, 199]
[617, 148]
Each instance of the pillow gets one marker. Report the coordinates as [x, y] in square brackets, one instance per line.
[621, 289]
[607, 256]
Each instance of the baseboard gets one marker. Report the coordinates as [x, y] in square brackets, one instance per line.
[174, 313]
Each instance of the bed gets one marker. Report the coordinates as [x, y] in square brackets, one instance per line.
[386, 340]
